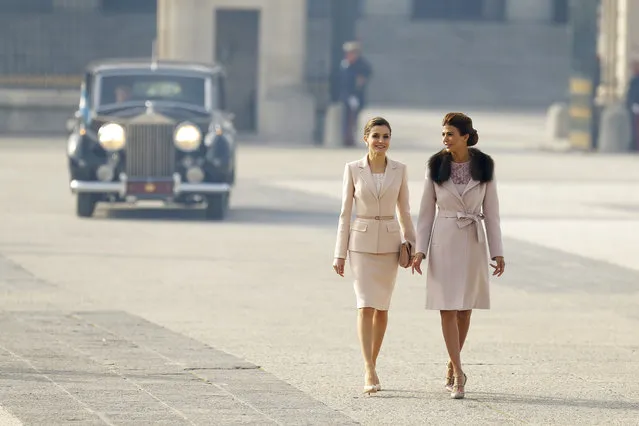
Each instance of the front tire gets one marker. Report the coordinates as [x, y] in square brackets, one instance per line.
[85, 205]
[217, 206]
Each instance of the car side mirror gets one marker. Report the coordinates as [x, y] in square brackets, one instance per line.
[72, 122]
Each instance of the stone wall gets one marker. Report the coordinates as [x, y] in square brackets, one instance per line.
[62, 42]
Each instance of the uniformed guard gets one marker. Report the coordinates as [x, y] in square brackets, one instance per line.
[355, 72]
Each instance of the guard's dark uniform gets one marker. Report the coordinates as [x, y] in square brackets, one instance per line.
[352, 95]
[632, 102]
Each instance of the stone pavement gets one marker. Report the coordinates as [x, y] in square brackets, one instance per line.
[156, 316]
[114, 368]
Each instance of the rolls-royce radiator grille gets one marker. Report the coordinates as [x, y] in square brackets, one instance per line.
[150, 152]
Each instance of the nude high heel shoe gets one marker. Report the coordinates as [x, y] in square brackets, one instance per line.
[369, 389]
[378, 387]
[458, 387]
[450, 380]
[372, 388]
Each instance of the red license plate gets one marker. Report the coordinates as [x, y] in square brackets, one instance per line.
[150, 188]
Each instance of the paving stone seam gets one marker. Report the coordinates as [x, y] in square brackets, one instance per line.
[84, 405]
[254, 367]
[184, 368]
[114, 371]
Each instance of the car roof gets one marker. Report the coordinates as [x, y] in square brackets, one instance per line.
[114, 64]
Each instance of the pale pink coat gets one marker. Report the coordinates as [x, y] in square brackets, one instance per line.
[450, 232]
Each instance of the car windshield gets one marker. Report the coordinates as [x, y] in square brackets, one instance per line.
[152, 87]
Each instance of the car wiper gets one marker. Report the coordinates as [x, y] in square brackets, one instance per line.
[179, 104]
[121, 105]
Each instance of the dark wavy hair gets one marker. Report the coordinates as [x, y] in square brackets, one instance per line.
[464, 124]
[376, 121]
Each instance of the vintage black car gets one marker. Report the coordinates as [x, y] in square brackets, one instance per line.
[151, 129]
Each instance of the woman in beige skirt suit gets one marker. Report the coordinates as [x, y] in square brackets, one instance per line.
[460, 187]
[378, 187]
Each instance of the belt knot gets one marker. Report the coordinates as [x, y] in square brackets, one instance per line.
[466, 218]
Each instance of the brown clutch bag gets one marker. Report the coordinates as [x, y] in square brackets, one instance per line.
[405, 250]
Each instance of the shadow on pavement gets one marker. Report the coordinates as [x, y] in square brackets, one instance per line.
[552, 401]
[254, 215]
[510, 399]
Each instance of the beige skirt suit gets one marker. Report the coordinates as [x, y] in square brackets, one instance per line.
[450, 231]
[372, 239]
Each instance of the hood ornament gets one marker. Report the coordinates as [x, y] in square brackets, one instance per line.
[150, 109]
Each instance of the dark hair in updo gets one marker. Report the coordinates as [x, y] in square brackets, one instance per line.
[464, 124]
[376, 121]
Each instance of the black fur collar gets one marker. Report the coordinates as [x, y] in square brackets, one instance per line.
[481, 166]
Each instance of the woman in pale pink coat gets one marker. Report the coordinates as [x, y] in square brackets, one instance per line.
[378, 189]
[459, 194]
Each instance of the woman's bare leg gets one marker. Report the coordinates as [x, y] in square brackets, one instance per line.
[451, 338]
[365, 332]
[380, 321]
[463, 324]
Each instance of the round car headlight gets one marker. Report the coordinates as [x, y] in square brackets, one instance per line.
[188, 137]
[111, 137]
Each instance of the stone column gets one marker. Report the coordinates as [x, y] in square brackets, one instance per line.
[618, 47]
[529, 10]
[607, 50]
[286, 109]
[627, 49]
[175, 35]
[162, 37]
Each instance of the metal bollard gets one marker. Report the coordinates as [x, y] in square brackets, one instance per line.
[333, 126]
[557, 122]
[614, 131]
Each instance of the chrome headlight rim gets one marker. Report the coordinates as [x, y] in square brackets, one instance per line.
[112, 137]
[187, 137]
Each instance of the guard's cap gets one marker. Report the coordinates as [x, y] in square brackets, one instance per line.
[351, 46]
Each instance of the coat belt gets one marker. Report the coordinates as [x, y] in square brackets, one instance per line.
[376, 217]
[464, 219]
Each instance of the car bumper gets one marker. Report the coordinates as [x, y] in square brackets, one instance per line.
[121, 188]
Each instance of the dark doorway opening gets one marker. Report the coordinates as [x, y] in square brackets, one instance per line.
[237, 49]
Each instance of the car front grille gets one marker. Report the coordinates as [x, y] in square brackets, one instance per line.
[150, 152]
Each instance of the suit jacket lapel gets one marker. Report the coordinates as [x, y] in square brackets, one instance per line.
[450, 187]
[391, 173]
[473, 183]
[367, 176]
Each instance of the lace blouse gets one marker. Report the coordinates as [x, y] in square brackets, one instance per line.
[460, 175]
